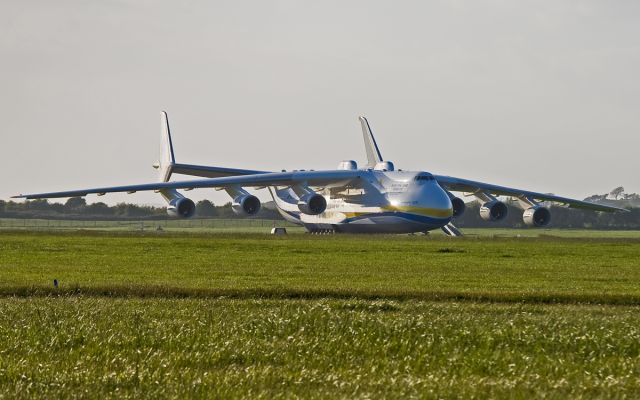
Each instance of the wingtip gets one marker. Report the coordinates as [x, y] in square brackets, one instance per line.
[18, 196]
[617, 209]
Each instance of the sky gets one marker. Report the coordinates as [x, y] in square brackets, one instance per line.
[539, 95]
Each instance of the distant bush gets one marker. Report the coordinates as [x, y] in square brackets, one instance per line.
[77, 208]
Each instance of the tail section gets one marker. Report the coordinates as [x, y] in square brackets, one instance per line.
[167, 165]
[167, 159]
[373, 153]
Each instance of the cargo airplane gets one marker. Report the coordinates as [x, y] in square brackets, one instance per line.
[375, 199]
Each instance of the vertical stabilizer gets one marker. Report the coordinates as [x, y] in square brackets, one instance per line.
[370, 145]
[167, 160]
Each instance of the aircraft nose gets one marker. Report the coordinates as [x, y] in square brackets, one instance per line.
[440, 201]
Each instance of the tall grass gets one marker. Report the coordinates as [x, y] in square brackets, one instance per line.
[160, 348]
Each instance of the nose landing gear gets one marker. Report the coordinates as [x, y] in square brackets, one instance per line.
[451, 230]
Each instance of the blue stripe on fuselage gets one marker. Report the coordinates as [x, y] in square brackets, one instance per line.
[408, 216]
[422, 219]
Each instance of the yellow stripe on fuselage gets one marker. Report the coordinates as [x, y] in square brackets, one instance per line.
[424, 211]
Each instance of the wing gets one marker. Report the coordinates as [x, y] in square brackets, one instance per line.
[464, 185]
[306, 178]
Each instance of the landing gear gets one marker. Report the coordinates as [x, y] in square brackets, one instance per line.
[451, 230]
[279, 231]
[322, 231]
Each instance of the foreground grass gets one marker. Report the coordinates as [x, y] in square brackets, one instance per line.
[225, 348]
[549, 269]
[163, 315]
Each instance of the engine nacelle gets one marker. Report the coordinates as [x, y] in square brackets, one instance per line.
[384, 166]
[181, 207]
[246, 204]
[537, 216]
[348, 165]
[457, 204]
[493, 211]
[312, 204]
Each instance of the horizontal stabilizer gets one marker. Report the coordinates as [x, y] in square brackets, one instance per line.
[209, 171]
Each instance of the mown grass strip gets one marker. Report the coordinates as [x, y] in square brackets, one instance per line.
[526, 270]
[168, 292]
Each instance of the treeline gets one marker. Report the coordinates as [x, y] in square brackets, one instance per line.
[77, 208]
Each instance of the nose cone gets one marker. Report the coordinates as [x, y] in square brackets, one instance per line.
[426, 204]
[436, 203]
[438, 200]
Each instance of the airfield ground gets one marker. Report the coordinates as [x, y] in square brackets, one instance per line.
[168, 314]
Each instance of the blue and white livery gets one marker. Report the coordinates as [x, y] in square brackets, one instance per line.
[374, 199]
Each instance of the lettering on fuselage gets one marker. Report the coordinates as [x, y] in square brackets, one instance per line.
[398, 187]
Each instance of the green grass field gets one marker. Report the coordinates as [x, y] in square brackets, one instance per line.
[169, 315]
[236, 225]
[257, 225]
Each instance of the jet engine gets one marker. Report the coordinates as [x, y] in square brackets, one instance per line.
[246, 204]
[312, 204]
[537, 216]
[494, 210]
[458, 205]
[181, 207]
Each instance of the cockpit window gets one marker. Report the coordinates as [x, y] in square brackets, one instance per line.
[424, 178]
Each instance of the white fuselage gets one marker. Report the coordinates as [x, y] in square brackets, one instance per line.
[379, 202]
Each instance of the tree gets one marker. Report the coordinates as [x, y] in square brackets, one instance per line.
[205, 208]
[225, 211]
[99, 209]
[75, 204]
[596, 198]
[615, 193]
[39, 204]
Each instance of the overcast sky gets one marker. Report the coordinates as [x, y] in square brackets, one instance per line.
[543, 95]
